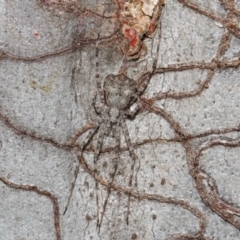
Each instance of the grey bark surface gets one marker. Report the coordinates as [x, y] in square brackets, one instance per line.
[186, 136]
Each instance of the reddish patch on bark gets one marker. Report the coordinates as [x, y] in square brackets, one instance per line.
[131, 34]
[138, 20]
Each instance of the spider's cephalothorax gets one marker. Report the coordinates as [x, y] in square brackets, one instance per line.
[119, 93]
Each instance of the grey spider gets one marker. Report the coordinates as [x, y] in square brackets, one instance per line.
[118, 94]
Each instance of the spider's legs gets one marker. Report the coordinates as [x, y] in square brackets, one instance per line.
[116, 135]
[145, 78]
[134, 158]
[143, 82]
[95, 158]
[132, 113]
[79, 154]
[100, 90]
[98, 109]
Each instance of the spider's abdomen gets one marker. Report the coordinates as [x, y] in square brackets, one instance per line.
[119, 90]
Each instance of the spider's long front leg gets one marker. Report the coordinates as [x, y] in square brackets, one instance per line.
[134, 158]
[100, 92]
[116, 135]
[97, 75]
[79, 155]
[143, 83]
[98, 109]
[144, 80]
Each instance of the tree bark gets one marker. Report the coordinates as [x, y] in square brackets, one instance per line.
[55, 55]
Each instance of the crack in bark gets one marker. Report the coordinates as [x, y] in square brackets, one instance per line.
[41, 192]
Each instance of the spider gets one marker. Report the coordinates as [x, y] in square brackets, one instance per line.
[118, 94]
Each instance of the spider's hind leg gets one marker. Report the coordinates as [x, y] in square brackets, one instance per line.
[116, 135]
[134, 158]
[95, 159]
[79, 155]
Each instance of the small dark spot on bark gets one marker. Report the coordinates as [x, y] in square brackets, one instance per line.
[163, 181]
[151, 185]
[154, 216]
[134, 236]
[88, 217]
